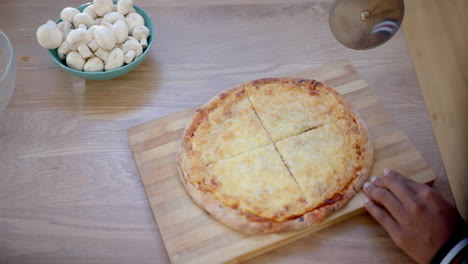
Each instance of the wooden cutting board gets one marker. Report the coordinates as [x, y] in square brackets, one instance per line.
[192, 236]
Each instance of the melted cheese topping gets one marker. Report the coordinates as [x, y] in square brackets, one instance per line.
[228, 130]
[256, 182]
[322, 160]
[287, 110]
[233, 159]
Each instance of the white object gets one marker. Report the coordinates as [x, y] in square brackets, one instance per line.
[79, 38]
[93, 45]
[133, 20]
[90, 11]
[132, 50]
[102, 7]
[115, 59]
[121, 31]
[49, 36]
[65, 27]
[124, 6]
[105, 38]
[83, 21]
[98, 21]
[105, 23]
[102, 54]
[130, 37]
[94, 64]
[63, 50]
[75, 61]
[112, 17]
[141, 33]
[68, 13]
[91, 30]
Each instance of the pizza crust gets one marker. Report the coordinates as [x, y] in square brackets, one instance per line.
[234, 218]
[366, 149]
[239, 220]
[224, 127]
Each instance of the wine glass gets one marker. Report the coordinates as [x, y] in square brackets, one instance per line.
[7, 71]
[365, 24]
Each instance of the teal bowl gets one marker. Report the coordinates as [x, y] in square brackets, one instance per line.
[106, 75]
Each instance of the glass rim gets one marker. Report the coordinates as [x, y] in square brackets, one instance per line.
[10, 52]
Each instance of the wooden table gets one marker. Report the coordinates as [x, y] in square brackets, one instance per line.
[69, 189]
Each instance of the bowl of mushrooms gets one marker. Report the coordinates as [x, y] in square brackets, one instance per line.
[100, 40]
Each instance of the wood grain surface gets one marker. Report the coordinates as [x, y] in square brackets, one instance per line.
[192, 236]
[444, 81]
[69, 188]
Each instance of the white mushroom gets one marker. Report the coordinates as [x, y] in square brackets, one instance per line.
[115, 59]
[131, 38]
[124, 6]
[63, 50]
[93, 45]
[102, 53]
[49, 36]
[68, 13]
[91, 30]
[102, 7]
[75, 61]
[120, 30]
[94, 64]
[98, 21]
[105, 23]
[133, 20]
[79, 38]
[65, 27]
[105, 38]
[90, 11]
[141, 33]
[132, 50]
[112, 17]
[83, 21]
[120, 46]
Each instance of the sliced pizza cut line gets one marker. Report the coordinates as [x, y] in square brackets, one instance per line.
[204, 165]
[224, 127]
[256, 183]
[276, 149]
[288, 107]
[322, 160]
[312, 128]
[279, 153]
[234, 186]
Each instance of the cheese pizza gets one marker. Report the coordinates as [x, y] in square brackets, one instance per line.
[274, 155]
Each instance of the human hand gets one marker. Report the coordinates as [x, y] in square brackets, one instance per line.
[415, 216]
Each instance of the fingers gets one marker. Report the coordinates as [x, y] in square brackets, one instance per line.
[381, 216]
[400, 186]
[385, 198]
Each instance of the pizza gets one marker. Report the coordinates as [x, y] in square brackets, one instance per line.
[274, 155]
